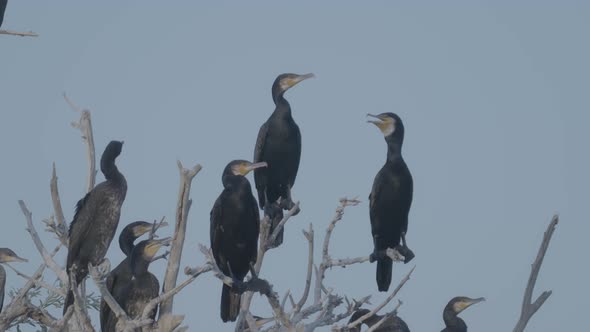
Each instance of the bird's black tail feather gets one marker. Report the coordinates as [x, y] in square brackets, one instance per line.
[384, 269]
[69, 300]
[230, 304]
[275, 213]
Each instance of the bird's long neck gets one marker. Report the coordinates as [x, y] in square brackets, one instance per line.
[394, 149]
[126, 242]
[282, 106]
[453, 322]
[110, 170]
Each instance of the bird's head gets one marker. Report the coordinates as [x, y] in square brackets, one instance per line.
[7, 256]
[243, 167]
[148, 248]
[284, 82]
[388, 123]
[138, 228]
[460, 303]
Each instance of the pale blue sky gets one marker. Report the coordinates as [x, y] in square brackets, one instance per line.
[493, 96]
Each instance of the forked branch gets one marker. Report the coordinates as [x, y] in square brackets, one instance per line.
[529, 308]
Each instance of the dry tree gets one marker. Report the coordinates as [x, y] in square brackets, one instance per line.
[319, 305]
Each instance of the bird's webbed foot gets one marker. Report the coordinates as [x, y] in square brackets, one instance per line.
[406, 252]
[238, 285]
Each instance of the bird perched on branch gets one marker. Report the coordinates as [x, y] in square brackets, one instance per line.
[455, 306]
[96, 219]
[391, 324]
[6, 256]
[144, 286]
[119, 277]
[390, 199]
[278, 144]
[235, 223]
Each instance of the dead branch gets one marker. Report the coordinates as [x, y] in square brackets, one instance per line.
[309, 235]
[20, 34]
[281, 224]
[384, 303]
[79, 308]
[84, 124]
[38, 282]
[529, 308]
[47, 258]
[61, 227]
[344, 202]
[182, 210]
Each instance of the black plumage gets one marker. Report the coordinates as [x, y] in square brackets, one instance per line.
[391, 324]
[278, 144]
[6, 256]
[455, 306]
[390, 198]
[144, 286]
[96, 219]
[235, 223]
[120, 276]
[3, 4]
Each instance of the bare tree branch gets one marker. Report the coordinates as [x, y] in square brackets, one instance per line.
[61, 227]
[61, 274]
[182, 209]
[309, 235]
[529, 308]
[79, 308]
[20, 34]
[384, 303]
[38, 282]
[85, 127]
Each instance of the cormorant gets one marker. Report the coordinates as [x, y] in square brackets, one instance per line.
[96, 219]
[279, 144]
[391, 324]
[453, 308]
[144, 286]
[120, 276]
[6, 256]
[235, 223]
[2, 10]
[390, 198]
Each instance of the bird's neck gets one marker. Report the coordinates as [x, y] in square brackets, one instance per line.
[126, 243]
[140, 267]
[454, 323]
[282, 106]
[394, 149]
[111, 172]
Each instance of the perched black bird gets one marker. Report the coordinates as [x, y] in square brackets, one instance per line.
[391, 324]
[120, 276]
[144, 286]
[2, 10]
[6, 256]
[96, 219]
[235, 224]
[453, 308]
[278, 144]
[390, 198]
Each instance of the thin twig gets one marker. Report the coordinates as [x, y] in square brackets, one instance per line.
[37, 282]
[47, 258]
[309, 235]
[20, 34]
[61, 228]
[384, 303]
[529, 308]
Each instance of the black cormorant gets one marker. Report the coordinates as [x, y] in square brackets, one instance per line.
[96, 219]
[278, 144]
[144, 286]
[120, 276]
[235, 223]
[391, 324]
[390, 198]
[2, 10]
[6, 256]
[453, 308]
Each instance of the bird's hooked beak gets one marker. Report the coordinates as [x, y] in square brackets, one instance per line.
[254, 166]
[142, 229]
[154, 245]
[384, 123]
[292, 81]
[460, 306]
[15, 258]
